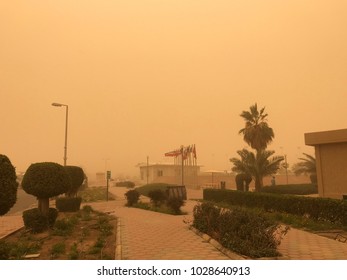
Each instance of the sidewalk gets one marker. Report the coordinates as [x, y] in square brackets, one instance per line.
[151, 235]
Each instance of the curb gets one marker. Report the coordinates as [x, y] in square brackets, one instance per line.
[11, 232]
[118, 251]
[217, 245]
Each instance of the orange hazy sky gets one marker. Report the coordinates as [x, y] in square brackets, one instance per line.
[142, 77]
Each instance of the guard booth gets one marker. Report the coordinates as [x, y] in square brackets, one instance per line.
[176, 191]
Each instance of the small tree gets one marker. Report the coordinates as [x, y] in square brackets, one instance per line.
[76, 176]
[8, 185]
[45, 180]
[132, 197]
[257, 165]
[157, 197]
[175, 203]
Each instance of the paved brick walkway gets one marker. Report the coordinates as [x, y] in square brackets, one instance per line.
[147, 235]
[150, 235]
[302, 245]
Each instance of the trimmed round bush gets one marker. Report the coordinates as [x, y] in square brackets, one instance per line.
[76, 176]
[45, 180]
[68, 204]
[8, 185]
[35, 220]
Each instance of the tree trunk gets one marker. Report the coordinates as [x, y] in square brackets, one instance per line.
[258, 177]
[258, 183]
[44, 206]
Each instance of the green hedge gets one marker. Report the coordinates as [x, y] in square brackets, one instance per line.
[145, 189]
[239, 230]
[319, 209]
[299, 189]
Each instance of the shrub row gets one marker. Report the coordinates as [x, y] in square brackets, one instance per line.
[158, 198]
[239, 230]
[127, 184]
[319, 209]
[145, 189]
[299, 189]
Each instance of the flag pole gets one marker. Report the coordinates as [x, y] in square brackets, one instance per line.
[182, 165]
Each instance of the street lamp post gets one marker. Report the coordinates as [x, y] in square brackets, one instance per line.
[66, 122]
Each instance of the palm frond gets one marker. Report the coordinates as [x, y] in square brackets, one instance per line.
[307, 165]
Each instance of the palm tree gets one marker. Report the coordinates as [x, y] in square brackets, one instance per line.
[307, 166]
[257, 165]
[256, 132]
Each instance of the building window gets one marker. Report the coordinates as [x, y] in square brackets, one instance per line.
[160, 173]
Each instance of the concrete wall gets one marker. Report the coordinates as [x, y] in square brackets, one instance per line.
[331, 158]
[171, 174]
[332, 166]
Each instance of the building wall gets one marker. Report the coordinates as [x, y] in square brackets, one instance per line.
[170, 174]
[332, 169]
[195, 179]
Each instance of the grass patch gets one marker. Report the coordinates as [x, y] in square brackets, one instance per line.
[65, 226]
[58, 249]
[74, 253]
[94, 194]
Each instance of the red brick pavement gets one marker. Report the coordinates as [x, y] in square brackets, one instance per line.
[150, 235]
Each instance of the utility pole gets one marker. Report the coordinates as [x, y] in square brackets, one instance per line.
[182, 165]
[147, 169]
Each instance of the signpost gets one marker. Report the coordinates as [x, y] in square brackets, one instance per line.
[108, 177]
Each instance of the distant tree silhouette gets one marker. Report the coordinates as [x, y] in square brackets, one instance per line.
[306, 166]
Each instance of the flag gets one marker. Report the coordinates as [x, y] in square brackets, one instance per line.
[186, 152]
[174, 153]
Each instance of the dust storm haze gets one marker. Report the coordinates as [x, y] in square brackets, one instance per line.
[142, 77]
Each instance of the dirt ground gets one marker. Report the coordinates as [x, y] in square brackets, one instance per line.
[91, 237]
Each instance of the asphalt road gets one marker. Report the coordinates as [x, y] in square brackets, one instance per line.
[24, 201]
